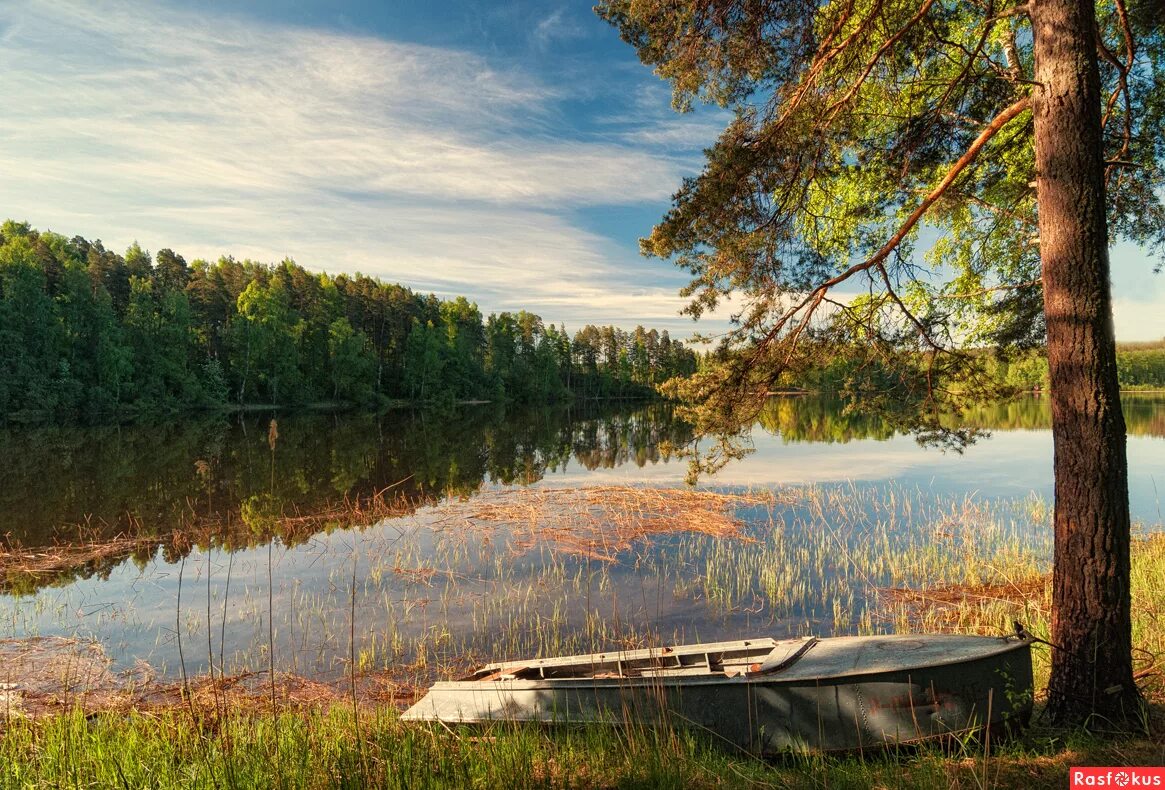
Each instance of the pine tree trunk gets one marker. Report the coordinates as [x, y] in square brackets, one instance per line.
[1092, 669]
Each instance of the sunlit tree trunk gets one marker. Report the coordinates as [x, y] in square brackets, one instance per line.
[1092, 669]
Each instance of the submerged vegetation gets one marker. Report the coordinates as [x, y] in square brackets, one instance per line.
[511, 574]
[366, 610]
[79, 501]
[86, 331]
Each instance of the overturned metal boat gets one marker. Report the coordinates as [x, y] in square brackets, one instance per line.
[763, 695]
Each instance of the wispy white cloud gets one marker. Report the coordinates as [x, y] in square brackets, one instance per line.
[676, 135]
[204, 104]
[555, 27]
[133, 120]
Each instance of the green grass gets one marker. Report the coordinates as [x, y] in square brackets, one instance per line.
[330, 749]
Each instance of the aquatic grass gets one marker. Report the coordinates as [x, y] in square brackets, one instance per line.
[1019, 591]
[792, 569]
[439, 590]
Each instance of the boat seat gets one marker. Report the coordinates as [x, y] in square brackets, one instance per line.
[783, 656]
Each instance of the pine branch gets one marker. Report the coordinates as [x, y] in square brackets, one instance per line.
[807, 306]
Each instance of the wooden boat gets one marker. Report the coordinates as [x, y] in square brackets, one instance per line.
[764, 695]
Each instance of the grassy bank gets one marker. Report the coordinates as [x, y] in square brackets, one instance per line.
[1016, 593]
[336, 749]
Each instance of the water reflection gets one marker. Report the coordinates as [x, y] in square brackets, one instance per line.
[121, 492]
[100, 496]
[817, 419]
[199, 503]
[420, 594]
[65, 482]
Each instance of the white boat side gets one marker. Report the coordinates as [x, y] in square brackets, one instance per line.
[830, 694]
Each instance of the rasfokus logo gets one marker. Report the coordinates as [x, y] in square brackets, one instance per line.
[1116, 777]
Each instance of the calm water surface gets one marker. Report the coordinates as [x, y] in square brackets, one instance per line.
[228, 505]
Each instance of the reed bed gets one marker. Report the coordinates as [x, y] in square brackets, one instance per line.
[603, 522]
[1026, 598]
[528, 572]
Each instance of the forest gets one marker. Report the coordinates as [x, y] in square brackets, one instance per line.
[87, 332]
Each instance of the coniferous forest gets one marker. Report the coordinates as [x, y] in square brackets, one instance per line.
[87, 332]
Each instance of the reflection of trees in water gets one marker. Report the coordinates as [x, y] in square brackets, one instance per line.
[1144, 414]
[210, 482]
[219, 476]
[818, 419]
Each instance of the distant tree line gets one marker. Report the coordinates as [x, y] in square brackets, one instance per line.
[1140, 366]
[84, 330]
[853, 369]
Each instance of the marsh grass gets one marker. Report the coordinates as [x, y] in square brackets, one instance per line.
[540, 572]
[522, 572]
[1023, 595]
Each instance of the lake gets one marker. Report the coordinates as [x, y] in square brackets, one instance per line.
[415, 542]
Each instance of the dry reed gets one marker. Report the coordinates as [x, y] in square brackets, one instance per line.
[600, 522]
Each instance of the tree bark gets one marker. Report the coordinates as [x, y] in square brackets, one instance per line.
[1091, 625]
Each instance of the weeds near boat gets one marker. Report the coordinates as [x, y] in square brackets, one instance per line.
[1023, 594]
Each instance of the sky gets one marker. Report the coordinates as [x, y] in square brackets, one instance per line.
[510, 152]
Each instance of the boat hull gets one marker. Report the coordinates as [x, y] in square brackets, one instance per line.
[866, 704]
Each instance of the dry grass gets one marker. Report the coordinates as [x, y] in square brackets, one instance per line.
[24, 569]
[945, 606]
[601, 521]
[45, 675]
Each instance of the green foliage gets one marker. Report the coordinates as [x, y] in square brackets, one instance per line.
[351, 361]
[1142, 368]
[1139, 366]
[85, 331]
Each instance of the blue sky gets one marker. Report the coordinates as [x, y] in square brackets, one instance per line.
[510, 152]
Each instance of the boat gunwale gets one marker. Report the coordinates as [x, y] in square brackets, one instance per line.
[1007, 644]
[760, 646]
